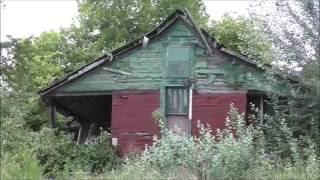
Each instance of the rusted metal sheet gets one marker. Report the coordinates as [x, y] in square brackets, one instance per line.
[132, 121]
[212, 108]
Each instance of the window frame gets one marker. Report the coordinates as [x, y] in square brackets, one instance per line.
[167, 102]
[187, 62]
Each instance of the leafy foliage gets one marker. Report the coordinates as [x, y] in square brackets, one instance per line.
[244, 36]
[293, 27]
[59, 153]
[107, 25]
[98, 155]
[22, 165]
[238, 151]
[29, 64]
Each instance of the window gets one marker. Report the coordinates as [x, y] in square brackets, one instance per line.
[178, 65]
[177, 101]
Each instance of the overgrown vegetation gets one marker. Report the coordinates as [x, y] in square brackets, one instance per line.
[27, 154]
[263, 151]
[245, 36]
[236, 152]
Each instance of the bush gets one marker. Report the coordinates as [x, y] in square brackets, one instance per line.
[228, 154]
[236, 152]
[22, 165]
[97, 155]
[58, 153]
[54, 150]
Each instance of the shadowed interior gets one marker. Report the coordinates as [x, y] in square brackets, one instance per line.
[95, 108]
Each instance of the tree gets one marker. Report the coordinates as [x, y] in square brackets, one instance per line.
[32, 63]
[294, 28]
[243, 35]
[107, 25]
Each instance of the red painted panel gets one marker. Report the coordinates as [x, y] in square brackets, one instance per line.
[132, 121]
[212, 108]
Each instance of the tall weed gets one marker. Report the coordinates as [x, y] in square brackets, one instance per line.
[239, 151]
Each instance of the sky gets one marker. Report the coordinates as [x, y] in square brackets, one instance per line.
[23, 18]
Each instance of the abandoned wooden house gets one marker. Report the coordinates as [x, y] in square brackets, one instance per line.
[176, 69]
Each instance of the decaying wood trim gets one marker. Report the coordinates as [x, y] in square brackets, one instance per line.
[261, 108]
[198, 30]
[263, 66]
[116, 71]
[83, 132]
[86, 69]
[94, 130]
[72, 76]
[86, 131]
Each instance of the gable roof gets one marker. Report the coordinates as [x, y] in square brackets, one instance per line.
[178, 14]
[184, 15]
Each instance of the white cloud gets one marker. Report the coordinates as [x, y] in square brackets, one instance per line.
[217, 8]
[24, 18]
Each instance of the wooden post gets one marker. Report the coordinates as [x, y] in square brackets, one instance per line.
[83, 132]
[52, 115]
[261, 108]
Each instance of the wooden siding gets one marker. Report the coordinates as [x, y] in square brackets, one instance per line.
[143, 68]
[147, 68]
[132, 121]
[213, 108]
[138, 80]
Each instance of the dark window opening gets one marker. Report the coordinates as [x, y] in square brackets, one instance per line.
[256, 107]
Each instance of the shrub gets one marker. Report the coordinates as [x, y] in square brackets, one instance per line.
[22, 165]
[58, 153]
[238, 151]
[207, 155]
[54, 150]
[97, 155]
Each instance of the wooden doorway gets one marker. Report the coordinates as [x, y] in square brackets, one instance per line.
[177, 109]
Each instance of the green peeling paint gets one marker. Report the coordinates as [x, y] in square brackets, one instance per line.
[159, 65]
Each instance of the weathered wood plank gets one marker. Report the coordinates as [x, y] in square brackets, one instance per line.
[145, 68]
[53, 116]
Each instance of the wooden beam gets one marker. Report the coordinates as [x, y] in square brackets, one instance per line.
[199, 31]
[72, 113]
[83, 93]
[83, 132]
[52, 115]
[116, 71]
[261, 108]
